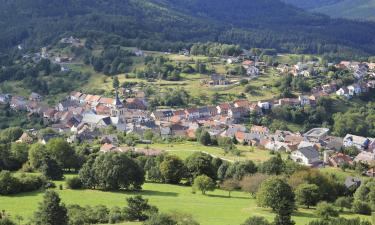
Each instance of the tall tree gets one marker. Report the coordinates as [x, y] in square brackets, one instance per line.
[307, 194]
[278, 195]
[51, 211]
[172, 169]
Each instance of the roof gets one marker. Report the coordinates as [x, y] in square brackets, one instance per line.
[117, 102]
[317, 132]
[352, 181]
[107, 101]
[217, 77]
[242, 103]
[107, 147]
[259, 129]
[224, 106]
[357, 139]
[309, 152]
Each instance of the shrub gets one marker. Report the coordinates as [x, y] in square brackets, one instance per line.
[115, 215]
[326, 211]
[256, 220]
[31, 182]
[361, 208]
[74, 183]
[8, 183]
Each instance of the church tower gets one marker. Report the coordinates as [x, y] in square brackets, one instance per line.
[118, 108]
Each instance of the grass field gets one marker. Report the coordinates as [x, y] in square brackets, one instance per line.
[216, 208]
[183, 150]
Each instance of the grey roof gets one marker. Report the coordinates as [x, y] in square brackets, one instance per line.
[309, 152]
[352, 181]
[117, 102]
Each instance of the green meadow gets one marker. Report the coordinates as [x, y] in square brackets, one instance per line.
[215, 208]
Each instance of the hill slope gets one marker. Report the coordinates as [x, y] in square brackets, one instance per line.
[311, 4]
[155, 23]
[358, 9]
[350, 9]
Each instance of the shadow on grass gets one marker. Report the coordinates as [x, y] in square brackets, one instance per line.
[304, 214]
[156, 193]
[225, 196]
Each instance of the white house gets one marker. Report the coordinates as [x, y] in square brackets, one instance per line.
[252, 71]
[264, 105]
[354, 89]
[308, 156]
[343, 92]
[356, 141]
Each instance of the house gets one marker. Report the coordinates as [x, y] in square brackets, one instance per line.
[237, 113]
[5, 98]
[361, 71]
[259, 130]
[25, 138]
[107, 148]
[264, 105]
[109, 139]
[356, 141]
[65, 105]
[365, 157]
[304, 100]
[316, 134]
[135, 103]
[160, 115]
[306, 156]
[106, 101]
[277, 146]
[103, 110]
[370, 172]
[248, 138]
[339, 159]
[241, 103]
[344, 91]
[75, 95]
[252, 71]
[49, 114]
[371, 84]
[192, 113]
[212, 110]
[248, 63]
[35, 97]
[223, 108]
[204, 112]
[46, 137]
[217, 79]
[352, 183]
[333, 143]
[289, 101]
[18, 103]
[354, 89]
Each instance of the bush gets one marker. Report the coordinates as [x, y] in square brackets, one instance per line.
[74, 183]
[115, 215]
[31, 182]
[361, 208]
[9, 184]
[326, 211]
[256, 220]
[344, 202]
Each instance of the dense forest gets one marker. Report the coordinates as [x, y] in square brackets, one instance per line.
[167, 24]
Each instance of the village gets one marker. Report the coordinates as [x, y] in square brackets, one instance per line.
[82, 117]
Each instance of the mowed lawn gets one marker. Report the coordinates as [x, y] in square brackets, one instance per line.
[185, 149]
[216, 208]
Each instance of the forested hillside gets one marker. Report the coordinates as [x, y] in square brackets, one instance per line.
[311, 4]
[165, 24]
[350, 9]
